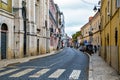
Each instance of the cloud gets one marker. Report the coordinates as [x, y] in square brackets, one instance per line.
[72, 29]
[75, 17]
[76, 13]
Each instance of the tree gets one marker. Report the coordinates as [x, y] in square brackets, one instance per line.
[74, 36]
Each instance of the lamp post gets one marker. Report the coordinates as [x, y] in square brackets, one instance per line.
[95, 8]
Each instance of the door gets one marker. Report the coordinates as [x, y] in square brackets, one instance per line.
[37, 46]
[3, 45]
[4, 41]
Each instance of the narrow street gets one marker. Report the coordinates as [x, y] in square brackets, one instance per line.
[69, 64]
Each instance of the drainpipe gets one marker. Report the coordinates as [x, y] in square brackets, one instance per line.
[119, 43]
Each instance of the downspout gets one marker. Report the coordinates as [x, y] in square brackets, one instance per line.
[119, 41]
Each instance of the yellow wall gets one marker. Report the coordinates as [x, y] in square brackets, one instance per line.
[85, 32]
[109, 51]
[95, 29]
[0, 4]
[92, 26]
[6, 6]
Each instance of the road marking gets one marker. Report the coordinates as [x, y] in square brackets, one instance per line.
[57, 73]
[39, 73]
[6, 72]
[75, 74]
[21, 73]
[2, 68]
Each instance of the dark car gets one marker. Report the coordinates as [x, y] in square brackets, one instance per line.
[89, 48]
[81, 48]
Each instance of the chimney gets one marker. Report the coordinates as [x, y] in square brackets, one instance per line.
[90, 18]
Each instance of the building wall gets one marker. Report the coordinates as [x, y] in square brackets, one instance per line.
[19, 30]
[95, 24]
[37, 22]
[53, 25]
[44, 24]
[6, 5]
[93, 27]
[7, 18]
[85, 32]
[110, 32]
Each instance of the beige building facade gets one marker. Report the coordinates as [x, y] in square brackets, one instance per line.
[85, 33]
[6, 30]
[31, 27]
[91, 31]
[25, 28]
[95, 29]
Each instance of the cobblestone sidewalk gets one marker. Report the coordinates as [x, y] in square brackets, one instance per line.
[100, 70]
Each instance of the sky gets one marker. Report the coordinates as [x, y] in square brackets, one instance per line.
[76, 12]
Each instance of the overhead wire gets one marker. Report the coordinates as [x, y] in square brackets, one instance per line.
[88, 2]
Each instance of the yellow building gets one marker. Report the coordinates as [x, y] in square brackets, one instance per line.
[6, 29]
[6, 5]
[85, 32]
[110, 32]
[95, 29]
[91, 31]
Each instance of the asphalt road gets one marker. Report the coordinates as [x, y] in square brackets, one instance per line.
[69, 64]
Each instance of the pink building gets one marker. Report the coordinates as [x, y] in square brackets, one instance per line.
[53, 25]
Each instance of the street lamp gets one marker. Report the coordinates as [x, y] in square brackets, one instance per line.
[95, 8]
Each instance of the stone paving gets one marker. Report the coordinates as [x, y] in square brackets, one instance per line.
[100, 70]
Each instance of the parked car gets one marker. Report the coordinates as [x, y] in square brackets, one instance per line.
[89, 48]
[81, 48]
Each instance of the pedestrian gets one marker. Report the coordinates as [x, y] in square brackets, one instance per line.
[95, 48]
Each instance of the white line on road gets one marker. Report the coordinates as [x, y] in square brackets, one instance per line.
[57, 73]
[2, 68]
[21, 73]
[39, 73]
[6, 72]
[75, 74]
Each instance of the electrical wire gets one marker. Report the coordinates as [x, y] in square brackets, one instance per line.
[88, 2]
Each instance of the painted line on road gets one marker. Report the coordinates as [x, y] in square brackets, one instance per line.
[57, 73]
[7, 72]
[39, 73]
[54, 63]
[2, 68]
[21, 73]
[75, 74]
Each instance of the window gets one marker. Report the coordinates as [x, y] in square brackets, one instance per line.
[5, 1]
[117, 3]
[116, 36]
[45, 23]
[108, 39]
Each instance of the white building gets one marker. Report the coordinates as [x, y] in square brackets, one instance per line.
[6, 30]
[31, 20]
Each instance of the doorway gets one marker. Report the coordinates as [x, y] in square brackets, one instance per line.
[4, 30]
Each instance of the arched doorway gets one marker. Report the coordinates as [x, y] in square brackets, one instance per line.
[4, 30]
